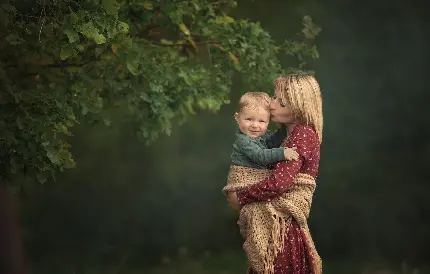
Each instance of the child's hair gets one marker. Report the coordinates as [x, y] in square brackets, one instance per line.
[253, 100]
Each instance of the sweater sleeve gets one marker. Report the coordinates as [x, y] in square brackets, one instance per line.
[249, 147]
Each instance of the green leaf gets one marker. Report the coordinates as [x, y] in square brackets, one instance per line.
[63, 129]
[234, 58]
[224, 20]
[106, 121]
[53, 156]
[189, 105]
[93, 33]
[184, 29]
[166, 42]
[111, 7]
[310, 30]
[73, 18]
[69, 163]
[132, 66]
[42, 177]
[99, 39]
[72, 35]
[67, 159]
[66, 52]
[80, 47]
[84, 109]
[122, 27]
[147, 5]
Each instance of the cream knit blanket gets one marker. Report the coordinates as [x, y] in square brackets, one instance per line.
[264, 225]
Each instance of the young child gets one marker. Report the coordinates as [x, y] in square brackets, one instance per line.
[254, 147]
[253, 151]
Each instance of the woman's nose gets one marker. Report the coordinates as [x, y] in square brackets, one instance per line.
[272, 104]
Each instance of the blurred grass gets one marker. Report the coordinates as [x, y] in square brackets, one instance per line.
[231, 262]
[234, 262]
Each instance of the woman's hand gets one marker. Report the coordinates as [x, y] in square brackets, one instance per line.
[232, 201]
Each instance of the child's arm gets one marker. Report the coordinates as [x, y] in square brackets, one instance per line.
[275, 139]
[265, 157]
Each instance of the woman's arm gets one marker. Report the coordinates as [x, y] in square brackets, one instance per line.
[282, 177]
[277, 183]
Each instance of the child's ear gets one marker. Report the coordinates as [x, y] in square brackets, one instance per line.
[236, 116]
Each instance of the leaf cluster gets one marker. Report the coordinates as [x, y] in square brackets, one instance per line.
[63, 62]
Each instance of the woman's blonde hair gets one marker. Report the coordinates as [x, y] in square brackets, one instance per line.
[302, 93]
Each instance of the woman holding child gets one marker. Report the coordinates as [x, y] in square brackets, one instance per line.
[274, 203]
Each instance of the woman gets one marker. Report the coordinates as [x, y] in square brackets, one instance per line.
[298, 105]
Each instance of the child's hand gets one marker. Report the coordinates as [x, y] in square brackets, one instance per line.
[291, 154]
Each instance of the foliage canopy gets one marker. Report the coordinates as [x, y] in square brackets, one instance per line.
[68, 61]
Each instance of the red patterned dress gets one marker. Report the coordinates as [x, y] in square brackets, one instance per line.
[294, 258]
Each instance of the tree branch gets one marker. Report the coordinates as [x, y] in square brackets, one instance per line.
[65, 64]
[185, 44]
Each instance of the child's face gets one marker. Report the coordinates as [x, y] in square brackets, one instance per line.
[253, 121]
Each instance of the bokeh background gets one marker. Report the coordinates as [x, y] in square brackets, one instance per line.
[129, 208]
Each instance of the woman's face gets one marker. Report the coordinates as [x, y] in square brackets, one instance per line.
[278, 113]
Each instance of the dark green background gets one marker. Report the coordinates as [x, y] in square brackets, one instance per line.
[127, 208]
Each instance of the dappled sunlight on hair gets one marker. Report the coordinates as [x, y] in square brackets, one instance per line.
[254, 100]
[302, 93]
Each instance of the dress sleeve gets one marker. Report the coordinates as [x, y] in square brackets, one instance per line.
[283, 174]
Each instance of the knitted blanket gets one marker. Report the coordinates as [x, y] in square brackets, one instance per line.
[264, 225]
